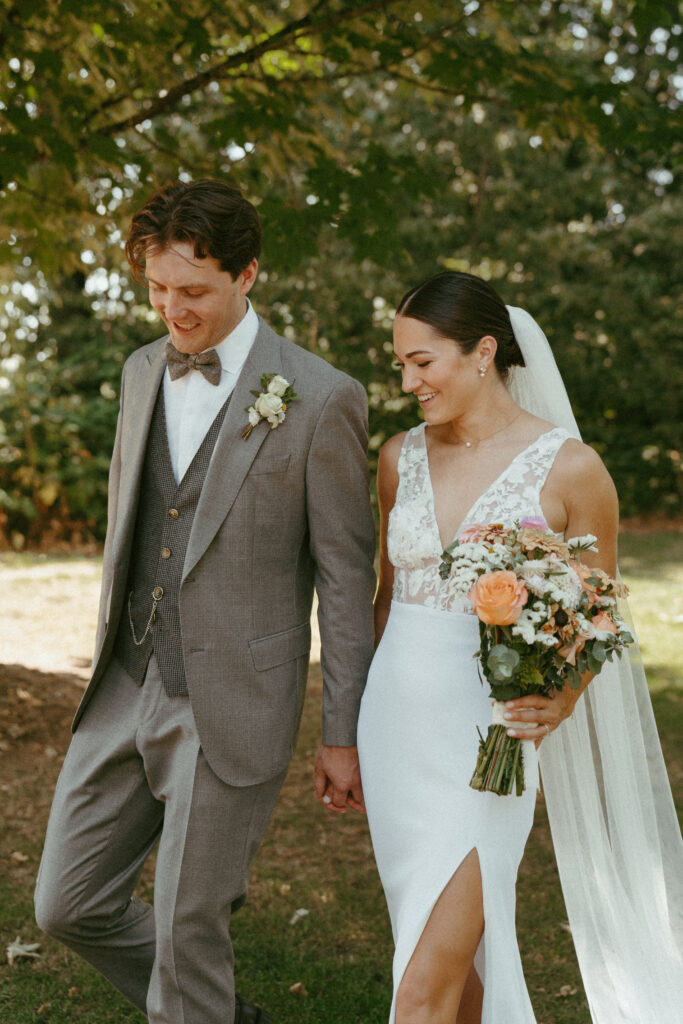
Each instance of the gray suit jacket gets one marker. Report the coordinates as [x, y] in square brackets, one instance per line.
[279, 514]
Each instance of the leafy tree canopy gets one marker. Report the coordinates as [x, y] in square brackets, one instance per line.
[531, 143]
[101, 101]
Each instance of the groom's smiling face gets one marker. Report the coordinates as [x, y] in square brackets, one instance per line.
[199, 302]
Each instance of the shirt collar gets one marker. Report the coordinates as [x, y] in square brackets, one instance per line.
[234, 349]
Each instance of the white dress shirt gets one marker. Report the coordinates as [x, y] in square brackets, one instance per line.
[192, 403]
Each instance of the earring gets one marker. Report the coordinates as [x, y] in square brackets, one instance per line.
[482, 371]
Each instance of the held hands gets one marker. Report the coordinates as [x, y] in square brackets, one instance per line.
[337, 779]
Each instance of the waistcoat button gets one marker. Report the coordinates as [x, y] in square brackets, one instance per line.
[165, 552]
[158, 593]
[173, 513]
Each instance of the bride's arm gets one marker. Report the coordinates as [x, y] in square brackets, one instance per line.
[387, 484]
[581, 492]
[590, 500]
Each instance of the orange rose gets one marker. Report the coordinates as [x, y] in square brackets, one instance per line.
[498, 598]
[603, 622]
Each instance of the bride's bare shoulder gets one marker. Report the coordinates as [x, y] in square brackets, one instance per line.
[387, 470]
[580, 469]
[391, 449]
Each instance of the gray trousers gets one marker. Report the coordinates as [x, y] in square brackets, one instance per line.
[135, 774]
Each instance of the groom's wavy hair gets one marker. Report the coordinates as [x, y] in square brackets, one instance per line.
[464, 309]
[212, 216]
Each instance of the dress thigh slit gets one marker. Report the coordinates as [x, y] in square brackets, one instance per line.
[418, 743]
[412, 934]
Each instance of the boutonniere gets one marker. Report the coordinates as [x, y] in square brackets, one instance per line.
[271, 403]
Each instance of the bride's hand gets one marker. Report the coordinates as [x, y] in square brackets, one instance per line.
[543, 714]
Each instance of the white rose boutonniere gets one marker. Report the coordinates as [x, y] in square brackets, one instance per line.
[271, 402]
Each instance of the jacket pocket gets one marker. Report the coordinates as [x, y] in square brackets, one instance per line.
[275, 464]
[279, 648]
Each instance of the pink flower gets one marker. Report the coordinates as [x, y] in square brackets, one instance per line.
[498, 598]
[535, 523]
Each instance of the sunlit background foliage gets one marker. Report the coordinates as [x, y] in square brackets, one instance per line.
[532, 143]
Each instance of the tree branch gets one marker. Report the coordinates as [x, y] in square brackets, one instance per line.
[295, 29]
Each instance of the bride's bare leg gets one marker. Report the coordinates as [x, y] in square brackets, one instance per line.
[432, 988]
[472, 1000]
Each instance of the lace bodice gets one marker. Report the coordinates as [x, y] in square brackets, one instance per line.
[413, 539]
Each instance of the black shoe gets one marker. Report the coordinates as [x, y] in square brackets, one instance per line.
[248, 1013]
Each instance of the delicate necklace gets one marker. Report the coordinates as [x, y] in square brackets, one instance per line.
[470, 444]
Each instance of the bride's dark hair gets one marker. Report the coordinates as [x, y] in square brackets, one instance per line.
[464, 308]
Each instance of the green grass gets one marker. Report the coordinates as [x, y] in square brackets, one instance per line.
[652, 566]
[340, 952]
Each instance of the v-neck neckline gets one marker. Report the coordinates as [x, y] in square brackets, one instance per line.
[483, 494]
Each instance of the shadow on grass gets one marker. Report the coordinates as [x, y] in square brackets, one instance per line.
[338, 955]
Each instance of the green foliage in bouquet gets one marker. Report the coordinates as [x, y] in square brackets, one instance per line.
[545, 621]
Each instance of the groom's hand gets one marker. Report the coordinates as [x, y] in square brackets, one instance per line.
[337, 778]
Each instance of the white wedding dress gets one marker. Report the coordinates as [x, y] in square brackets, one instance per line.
[417, 733]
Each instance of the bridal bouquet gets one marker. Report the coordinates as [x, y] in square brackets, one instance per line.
[544, 620]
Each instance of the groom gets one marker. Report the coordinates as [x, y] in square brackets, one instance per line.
[216, 538]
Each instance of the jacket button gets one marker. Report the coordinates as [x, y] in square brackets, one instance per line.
[173, 513]
[158, 593]
[165, 552]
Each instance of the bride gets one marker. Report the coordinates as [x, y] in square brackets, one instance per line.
[499, 443]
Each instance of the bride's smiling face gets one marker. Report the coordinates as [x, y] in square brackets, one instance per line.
[434, 369]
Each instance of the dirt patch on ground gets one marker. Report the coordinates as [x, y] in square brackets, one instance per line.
[48, 615]
[35, 717]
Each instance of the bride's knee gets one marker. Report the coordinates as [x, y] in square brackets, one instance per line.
[425, 994]
[413, 1004]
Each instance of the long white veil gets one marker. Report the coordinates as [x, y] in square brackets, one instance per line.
[611, 812]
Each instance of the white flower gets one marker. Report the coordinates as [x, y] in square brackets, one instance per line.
[548, 639]
[536, 584]
[268, 405]
[483, 555]
[276, 419]
[462, 581]
[586, 543]
[278, 385]
[565, 588]
[537, 565]
[533, 573]
[583, 625]
[525, 626]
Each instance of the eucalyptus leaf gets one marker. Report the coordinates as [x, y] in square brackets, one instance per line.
[502, 662]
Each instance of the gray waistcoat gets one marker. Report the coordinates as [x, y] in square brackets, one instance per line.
[162, 531]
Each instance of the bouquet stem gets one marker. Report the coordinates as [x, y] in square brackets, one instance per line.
[500, 763]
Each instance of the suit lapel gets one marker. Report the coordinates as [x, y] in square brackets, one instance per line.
[232, 457]
[141, 393]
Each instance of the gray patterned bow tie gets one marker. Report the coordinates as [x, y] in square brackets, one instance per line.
[179, 363]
